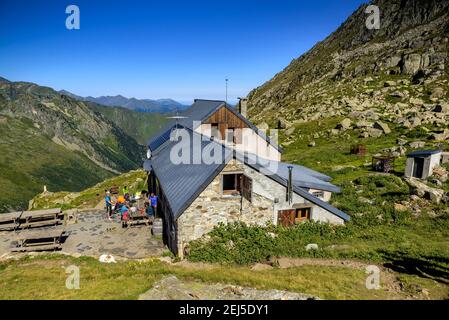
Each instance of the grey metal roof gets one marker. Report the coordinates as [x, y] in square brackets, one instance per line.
[303, 193]
[200, 111]
[302, 177]
[182, 183]
[323, 204]
[423, 153]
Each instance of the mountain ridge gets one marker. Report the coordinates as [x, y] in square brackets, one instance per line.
[141, 105]
[329, 79]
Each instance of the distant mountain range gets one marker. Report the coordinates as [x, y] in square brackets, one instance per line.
[142, 105]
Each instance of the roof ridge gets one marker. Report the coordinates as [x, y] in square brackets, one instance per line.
[195, 100]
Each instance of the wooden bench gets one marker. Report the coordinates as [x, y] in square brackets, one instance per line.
[39, 240]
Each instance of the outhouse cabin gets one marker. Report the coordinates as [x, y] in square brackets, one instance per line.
[420, 164]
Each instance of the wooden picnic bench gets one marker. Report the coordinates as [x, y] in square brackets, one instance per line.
[39, 240]
[40, 218]
[9, 221]
[138, 217]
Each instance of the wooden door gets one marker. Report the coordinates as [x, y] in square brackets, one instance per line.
[286, 218]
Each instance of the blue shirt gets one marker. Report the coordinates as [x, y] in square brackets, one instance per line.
[108, 200]
[153, 201]
[123, 209]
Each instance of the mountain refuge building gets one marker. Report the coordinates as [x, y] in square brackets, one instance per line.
[211, 165]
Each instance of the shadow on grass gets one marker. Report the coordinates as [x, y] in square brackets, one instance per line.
[431, 267]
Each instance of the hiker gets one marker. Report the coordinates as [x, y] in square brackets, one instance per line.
[125, 191]
[153, 203]
[124, 210]
[108, 201]
[149, 210]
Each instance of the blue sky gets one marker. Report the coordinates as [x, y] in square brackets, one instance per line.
[161, 49]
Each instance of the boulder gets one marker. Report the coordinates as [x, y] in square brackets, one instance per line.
[417, 144]
[290, 131]
[345, 124]
[283, 124]
[441, 108]
[382, 126]
[411, 63]
[312, 144]
[437, 93]
[389, 84]
[311, 246]
[261, 267]
[263, 126]
[393, 61]
[416, 101]
[397, 94]
[371, 133]
[440, 136]
[363, 124]
[420, 189]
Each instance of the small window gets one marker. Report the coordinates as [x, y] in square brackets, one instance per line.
[214, 131]
[232, 184]
[302, 214]
[230, 135]
[318, 194]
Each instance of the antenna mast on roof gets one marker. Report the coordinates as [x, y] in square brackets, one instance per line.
[177, 118]
[226, 90]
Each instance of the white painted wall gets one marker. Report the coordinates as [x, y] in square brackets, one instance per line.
[252, 143]
[326, 194]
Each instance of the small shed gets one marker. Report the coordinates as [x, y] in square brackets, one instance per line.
[444, 157]
[420, 164]
[358, 149]
[383, 163]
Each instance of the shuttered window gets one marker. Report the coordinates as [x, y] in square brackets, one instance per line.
[247, 188]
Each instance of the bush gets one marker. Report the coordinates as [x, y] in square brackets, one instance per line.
[243, 244]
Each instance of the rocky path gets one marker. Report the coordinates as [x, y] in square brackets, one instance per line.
[172, 288]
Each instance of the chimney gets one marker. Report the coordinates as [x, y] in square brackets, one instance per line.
[243, 107]
[290, 185]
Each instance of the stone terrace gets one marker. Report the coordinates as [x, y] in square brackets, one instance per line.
[94, 235]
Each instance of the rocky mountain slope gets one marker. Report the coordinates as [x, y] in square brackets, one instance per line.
[398, 74]
[54, 140]
[141, 105]
[139, 125]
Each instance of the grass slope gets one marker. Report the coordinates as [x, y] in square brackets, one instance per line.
[90, 197]
[44, 277]
[139, 125]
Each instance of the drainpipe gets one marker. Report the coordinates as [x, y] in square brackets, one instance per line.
[290, 186]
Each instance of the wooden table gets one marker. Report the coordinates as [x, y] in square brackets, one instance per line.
[138, 217]
[9, 221]
[40, 218]
[39, 240]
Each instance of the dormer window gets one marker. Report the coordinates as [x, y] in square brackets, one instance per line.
[214, 131]
[234, 135]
